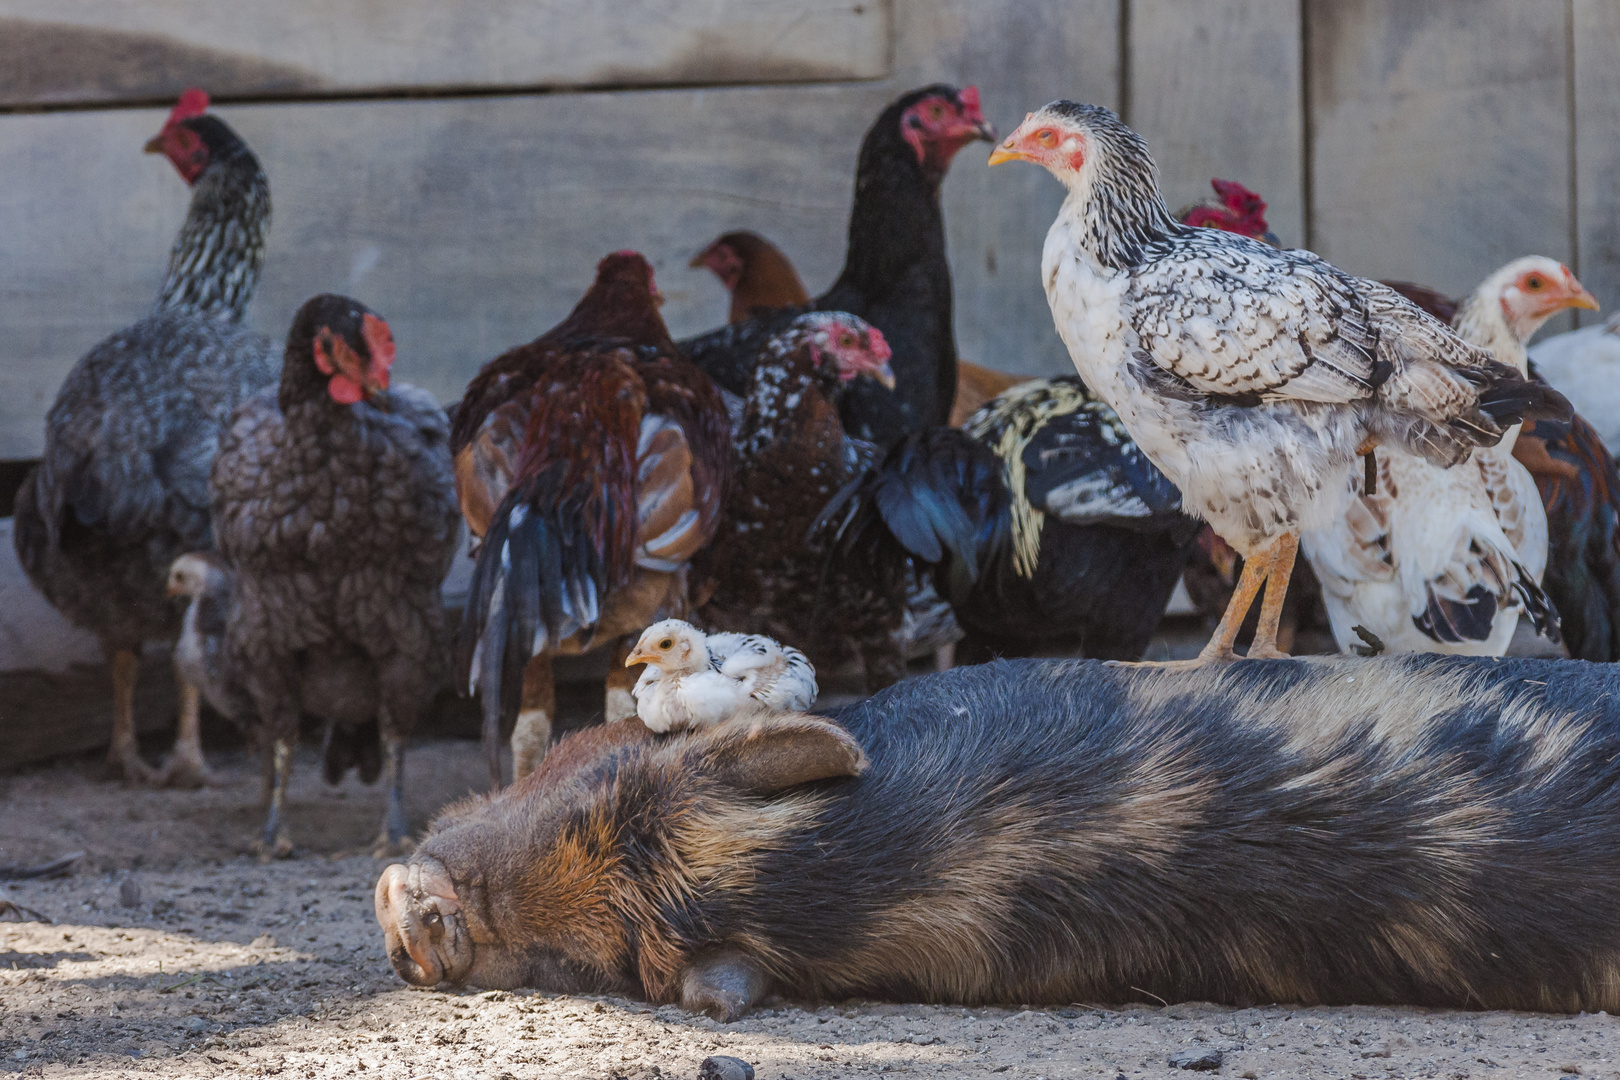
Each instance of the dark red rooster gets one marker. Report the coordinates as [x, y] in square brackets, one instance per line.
[333, 504]
[122, 488]
[791, 456]
[895, 274]
[594, 462]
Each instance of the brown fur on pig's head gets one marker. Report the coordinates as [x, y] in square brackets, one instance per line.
[566, 881]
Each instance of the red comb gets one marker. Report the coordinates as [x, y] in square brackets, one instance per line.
[194, 102]
[970, 101]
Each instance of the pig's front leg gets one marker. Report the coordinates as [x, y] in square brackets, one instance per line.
[725, 985]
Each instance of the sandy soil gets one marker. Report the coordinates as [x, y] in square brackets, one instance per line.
[173, 953]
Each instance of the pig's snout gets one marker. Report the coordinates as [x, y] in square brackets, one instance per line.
[422, 924]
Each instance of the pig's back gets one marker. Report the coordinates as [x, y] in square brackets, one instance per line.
[1414, 829]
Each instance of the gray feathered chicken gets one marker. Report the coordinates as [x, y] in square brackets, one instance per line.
[333, 506]
[122, 488]
[1251, 377]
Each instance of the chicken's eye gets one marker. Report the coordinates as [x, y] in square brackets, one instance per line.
[667, 643]
[1046, 137]
[936, 112]
[846, 341]
[1534, 281]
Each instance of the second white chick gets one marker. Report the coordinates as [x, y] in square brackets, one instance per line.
[695, 681]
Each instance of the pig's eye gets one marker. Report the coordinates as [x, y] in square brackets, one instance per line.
[667, 643]
[433, 918]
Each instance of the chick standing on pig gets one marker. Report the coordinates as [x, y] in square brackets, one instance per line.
[693, 680]
[1420, 830]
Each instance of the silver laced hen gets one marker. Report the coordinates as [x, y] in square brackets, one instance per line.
[1251, 377]
[122, 488]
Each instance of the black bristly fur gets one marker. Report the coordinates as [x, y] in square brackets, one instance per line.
[895, 277]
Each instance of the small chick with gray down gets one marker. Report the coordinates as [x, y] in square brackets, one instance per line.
[695, 680]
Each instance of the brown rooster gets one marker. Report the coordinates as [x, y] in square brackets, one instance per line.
[761, 279]
[791, 457]
[333, 504]
[594, 464]
[122, 488]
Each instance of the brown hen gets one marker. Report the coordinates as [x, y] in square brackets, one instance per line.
[593, 463]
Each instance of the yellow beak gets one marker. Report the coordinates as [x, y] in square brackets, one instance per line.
[1004, 153]
[154, 145]
[1584, 300]
[637, 657]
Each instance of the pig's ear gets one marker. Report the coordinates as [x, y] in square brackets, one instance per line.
[770, 752]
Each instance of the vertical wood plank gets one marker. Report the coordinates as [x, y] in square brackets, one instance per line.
[1441, 135]
[1597, 149]
[1217, 91]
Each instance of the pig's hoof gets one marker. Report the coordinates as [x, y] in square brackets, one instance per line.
[724, 986]
[279, 848]
[725, 1067]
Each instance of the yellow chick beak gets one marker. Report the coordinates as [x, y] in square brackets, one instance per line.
[1004, 152]
[1584, 299]
[638, 657]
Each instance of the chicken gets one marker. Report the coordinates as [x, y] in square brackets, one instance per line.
[693, 680]
[1446, 560]
[334, 509]
[755, 272]
[594, 463]
[1251, 377]
[791, 455]
[760, 278]
[1041, 522]
[1234, 209]
[1584, 365]
[895, 274]
[122, 487]
[338, 686]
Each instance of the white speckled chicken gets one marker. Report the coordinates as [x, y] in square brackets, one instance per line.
[693, 680]
[334, 506]
[122, 487]
[1446, 560]
[1251, 377]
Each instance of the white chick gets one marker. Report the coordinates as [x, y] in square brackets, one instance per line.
[695, 681]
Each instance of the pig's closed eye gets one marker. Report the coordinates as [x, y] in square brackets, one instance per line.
[433, 918]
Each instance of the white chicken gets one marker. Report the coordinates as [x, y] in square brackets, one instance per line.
[1251, 377]
[1584, 365]
[695, 680]
[1446, 560]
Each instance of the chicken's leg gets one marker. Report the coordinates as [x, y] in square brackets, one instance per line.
[395, 838]
[186, 767]
[619, 705]
[274, 843]
[1281, 554]
[125, 753]
[531, 736]
[1219, 648]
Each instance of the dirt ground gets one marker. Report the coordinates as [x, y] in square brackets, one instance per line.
[174, 953]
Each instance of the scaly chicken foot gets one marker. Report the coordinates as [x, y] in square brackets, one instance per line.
[186, 767]
[125, 753]
[1256, 572]
[395, 837]
[1281, 554]
[273, 843]
[618, 704]
[531, 735]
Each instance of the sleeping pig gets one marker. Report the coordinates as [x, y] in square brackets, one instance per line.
[1416, 829]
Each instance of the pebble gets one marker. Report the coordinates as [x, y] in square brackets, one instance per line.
[196, 1025]
[1197, 1060]
[129, 893]
[722, 1067]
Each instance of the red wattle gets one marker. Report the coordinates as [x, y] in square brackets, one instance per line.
[344, 390]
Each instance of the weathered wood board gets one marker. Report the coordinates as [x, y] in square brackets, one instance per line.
[1597, 149]
[106, 51]
[1440, 136]
[1217, 91]
[473, 224]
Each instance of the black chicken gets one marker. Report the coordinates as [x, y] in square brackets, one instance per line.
[1044, 525]
[895, 274]
[334, 506]
[791, 456]
[122, 488]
